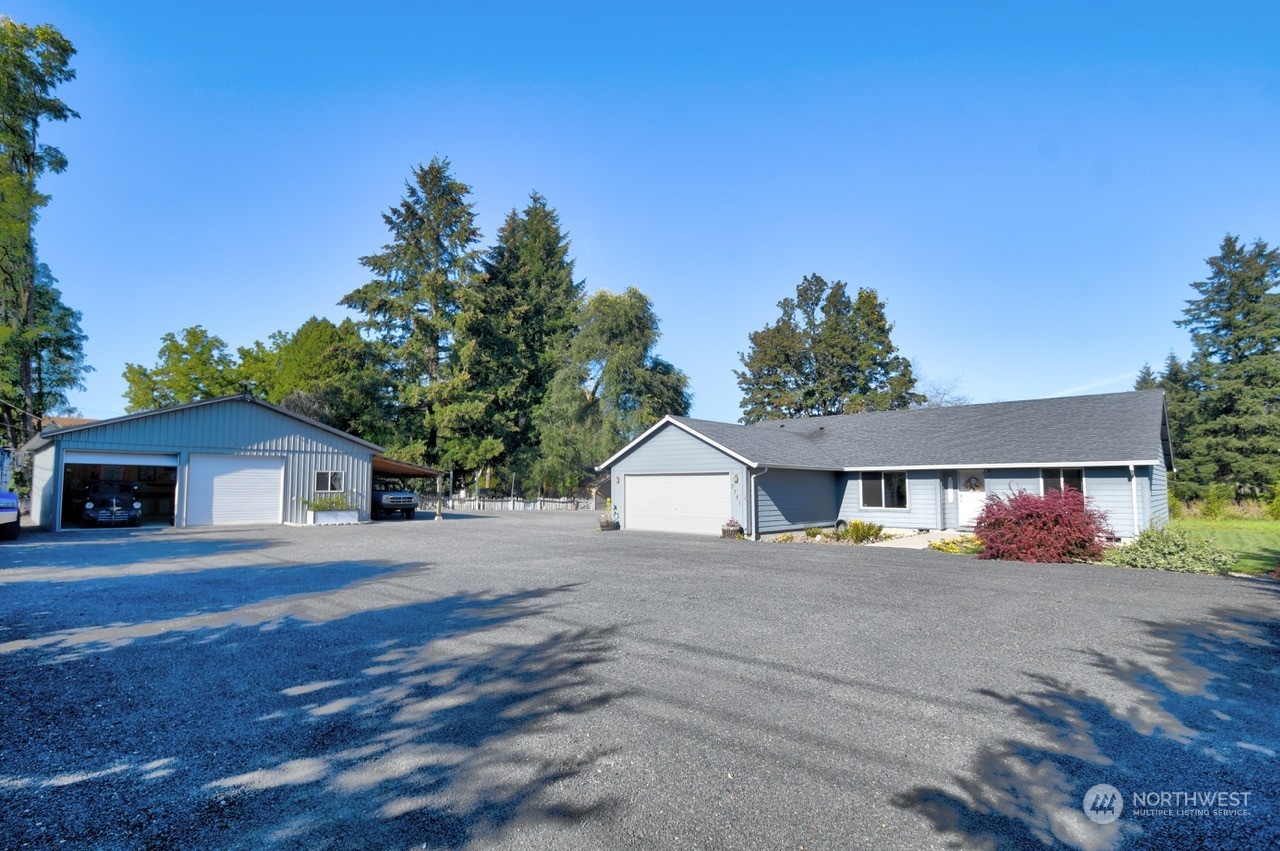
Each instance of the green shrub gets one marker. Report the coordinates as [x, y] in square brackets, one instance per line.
[861, 532]
[812, 532]
[330, 502]
[1215, 501]
[1177, 508]
[1169, 549]
[1273, 504]
[784, 538]
[966, 544]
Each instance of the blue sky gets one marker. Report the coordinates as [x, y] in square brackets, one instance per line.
[1029, 187]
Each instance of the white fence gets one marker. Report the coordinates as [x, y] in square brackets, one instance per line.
[509, 504]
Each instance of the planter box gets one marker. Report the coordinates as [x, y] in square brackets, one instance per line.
[333, 518]
[731, 532]
[609, 525]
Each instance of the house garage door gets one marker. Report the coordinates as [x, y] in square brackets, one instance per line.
[698, 504]
[229, 489]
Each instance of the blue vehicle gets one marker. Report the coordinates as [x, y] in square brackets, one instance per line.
[9, 522]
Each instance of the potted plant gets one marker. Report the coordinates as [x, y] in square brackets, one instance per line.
[609, 520]
[731, 529]
[331, 510]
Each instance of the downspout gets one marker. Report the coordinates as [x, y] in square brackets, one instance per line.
[755, 506]
[1133, 497]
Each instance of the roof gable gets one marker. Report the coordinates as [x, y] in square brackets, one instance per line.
[1112, 428]
[49, 435]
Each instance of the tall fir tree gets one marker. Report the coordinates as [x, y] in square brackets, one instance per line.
[1235, 366]
[411, 303]
[826, 354]
[512, 334]
[1146, 379]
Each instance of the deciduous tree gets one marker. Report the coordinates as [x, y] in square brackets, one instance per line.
[826, 354]
[611, 388]
[41, 346]
[189, 368]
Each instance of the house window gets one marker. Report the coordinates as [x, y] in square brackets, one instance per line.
[329, 482]
[884, 490]
[1055, 479]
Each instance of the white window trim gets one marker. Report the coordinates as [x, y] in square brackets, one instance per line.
[328, 474]
[906, 490]
[1084, 479]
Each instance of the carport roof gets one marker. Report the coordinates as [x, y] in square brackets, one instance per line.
[383, 466]
[1105, 429]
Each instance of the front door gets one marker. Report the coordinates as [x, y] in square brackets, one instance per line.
[973, 495]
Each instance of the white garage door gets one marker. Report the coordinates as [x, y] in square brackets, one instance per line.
[225, 490]
[698, 504]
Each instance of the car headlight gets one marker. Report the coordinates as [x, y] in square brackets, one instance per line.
[88, 505]
[137, 505]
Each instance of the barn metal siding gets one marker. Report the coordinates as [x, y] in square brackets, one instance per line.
[232, 427]
[43, 487]
[794, 499]
[672, 450]
[924, 502]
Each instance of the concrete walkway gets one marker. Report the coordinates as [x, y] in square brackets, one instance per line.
[910, 539]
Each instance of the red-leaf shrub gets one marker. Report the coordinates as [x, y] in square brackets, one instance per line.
[1055, 528]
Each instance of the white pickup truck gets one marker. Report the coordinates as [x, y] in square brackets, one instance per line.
[390, 496]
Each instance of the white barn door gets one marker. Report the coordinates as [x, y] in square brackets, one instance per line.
[225, 490]
[697, 504]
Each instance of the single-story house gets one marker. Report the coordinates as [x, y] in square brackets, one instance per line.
[226, 461]
[926, 468]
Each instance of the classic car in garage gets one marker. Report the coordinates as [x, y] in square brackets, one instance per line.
[111, 503]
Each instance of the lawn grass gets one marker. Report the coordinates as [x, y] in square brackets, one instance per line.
[1256, 542]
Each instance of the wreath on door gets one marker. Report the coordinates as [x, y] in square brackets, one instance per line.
[972, 484]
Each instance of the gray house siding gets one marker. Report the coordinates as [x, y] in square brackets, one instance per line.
[1108, 489]
[672, 451]
[794, 499]
[1005, 483]
[924, 502]
[1159, 496]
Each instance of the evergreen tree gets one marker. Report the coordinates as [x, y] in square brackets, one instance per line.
[41, 346]
[512, 333]
[411, 303]
[1235, 329]
[1182, 399]
[826, 354]
[611, 388]
[1146, 379]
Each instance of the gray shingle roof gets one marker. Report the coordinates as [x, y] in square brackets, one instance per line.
[1073, 430]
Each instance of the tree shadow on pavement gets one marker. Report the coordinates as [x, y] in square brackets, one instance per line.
[331, 723]
[1198, 714]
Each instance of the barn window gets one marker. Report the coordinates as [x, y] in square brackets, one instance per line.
[884, 490]
[329, 482]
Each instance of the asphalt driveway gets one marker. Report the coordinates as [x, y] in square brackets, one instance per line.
[525, 681]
